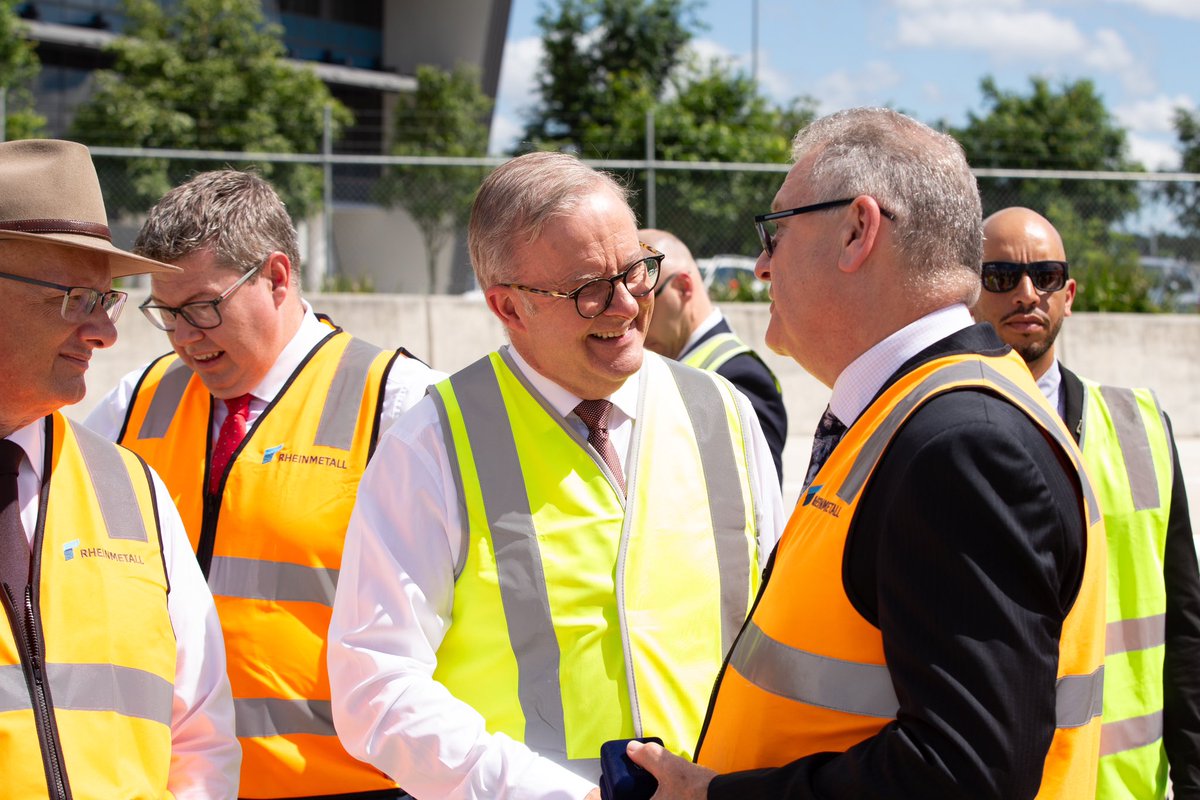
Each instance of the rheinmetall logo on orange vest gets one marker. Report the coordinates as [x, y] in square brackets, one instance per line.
[820, 503]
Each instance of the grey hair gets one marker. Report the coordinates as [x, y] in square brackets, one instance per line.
[233, 214]
[515, 202]
[913, 171]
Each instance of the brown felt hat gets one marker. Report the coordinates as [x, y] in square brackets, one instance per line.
[49, 193]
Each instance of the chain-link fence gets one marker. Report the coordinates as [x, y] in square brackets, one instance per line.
[398, 223]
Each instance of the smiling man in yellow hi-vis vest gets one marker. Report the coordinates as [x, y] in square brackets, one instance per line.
[932, 622]
[556, 548]
[261, 422]
[112, 671]
[1152, 666]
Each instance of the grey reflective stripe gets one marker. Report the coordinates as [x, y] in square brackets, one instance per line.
[271, 716]
[518, 557]
[14, 694]
[722, 353]
[93, 687]
[456, 473]
[339, 417]
[272, 580]
[165, 402]
[1129, 734]
[1135, 445]
[1129, 635]
[583, 767]
[113, 486]
[706, 411]
[873, 448]
[864, 689]
[1078, 699]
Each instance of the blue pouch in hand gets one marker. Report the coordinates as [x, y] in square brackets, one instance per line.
[620, 778]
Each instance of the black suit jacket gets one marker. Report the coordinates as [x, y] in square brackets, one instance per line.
[1181, 674]
[752, 377]
[967, 552]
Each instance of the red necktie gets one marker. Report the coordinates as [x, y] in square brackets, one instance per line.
[594, 414]
[233, 431]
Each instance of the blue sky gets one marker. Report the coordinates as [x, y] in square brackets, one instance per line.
[926, 57]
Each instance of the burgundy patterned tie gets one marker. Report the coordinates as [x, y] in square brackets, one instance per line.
[594, 414]
[233, 431]
[14, 544]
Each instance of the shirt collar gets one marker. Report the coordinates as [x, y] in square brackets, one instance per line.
[1051, 385]
[32, 439]
[858, 384]
[307, 336]
[710, 322]
[625, 398]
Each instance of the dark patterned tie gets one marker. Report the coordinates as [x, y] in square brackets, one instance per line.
[594, 414]
[829, 432]
[233, 431]
[14, 544]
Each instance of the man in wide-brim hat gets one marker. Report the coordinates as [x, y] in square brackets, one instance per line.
[112, 667]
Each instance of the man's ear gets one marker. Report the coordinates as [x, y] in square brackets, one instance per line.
[278, 271]
[859, 233]
[508, 308]
[687, 286]
[1069, 297]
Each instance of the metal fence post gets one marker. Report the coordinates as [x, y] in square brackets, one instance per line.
[651, 199]
[327, 210]
[3, 113]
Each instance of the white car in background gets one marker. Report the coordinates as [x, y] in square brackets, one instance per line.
[725, 275]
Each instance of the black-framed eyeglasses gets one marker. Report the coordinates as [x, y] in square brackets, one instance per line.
[662, 287]
[79, 302]
[594, 297]
[202, 314]
[1003, 276]
[765, 223]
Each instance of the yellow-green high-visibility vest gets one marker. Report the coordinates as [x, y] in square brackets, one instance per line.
[712, 353]
[580, 616]
[1128, 455]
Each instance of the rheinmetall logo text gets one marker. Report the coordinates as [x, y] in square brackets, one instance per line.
[103, 552]
[317, 461]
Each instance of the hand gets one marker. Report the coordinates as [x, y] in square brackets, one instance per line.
[594, 794]
[678, 778]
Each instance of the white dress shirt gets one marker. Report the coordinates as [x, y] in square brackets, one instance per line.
[393, 609]
[205, 755]
[406, 382]
[858, 383]
[1051, 385]
[710, 322]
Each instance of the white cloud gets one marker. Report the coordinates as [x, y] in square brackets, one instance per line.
[944, 5]
[1188, 9]
[1157, 154]
[1155, 115]
[773, 83]
[517, 91]
[1018, 34]
[846, 89]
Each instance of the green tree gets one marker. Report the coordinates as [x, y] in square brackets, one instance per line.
[447, 116]
[205, 75]
[19, 67]
[1068, 128]
[1103, 263]
[1185, 197]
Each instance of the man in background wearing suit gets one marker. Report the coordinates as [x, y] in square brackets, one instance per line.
[932, 622]
[1152, 667]
[686, 326]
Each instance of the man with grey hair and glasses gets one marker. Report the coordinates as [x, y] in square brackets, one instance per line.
[555, 548]
[261, 422]
[112, 669]
[932, 622]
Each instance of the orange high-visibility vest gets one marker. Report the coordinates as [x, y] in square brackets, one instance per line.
[808, 673]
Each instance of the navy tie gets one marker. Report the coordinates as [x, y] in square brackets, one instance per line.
[14, 544]
[829, 433]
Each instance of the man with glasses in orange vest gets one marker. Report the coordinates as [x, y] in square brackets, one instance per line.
[112, 669]
[556, 547]
[1152, 667]
[261, 422]
[932, 621]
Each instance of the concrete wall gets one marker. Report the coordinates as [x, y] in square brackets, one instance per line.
[450, 332]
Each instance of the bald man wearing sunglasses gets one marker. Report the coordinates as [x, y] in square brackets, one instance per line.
[1151, 692]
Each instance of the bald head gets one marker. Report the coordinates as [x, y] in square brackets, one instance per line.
[681, 301]
[1016, 242]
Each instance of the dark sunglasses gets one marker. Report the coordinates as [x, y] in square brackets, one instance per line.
[1003, 276]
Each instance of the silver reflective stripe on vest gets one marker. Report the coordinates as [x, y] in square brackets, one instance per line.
[1129, 635]
[339, 417]
[1135, 445]
[1078, 699]
[113, 487]
[706, 411]
[518, 558]
[93, 687]
[873, 448]
[464, 543]
[272, 580]
[166, 401]
[722, 353]
[1130, 734]
[866, 689]
[274, 717]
